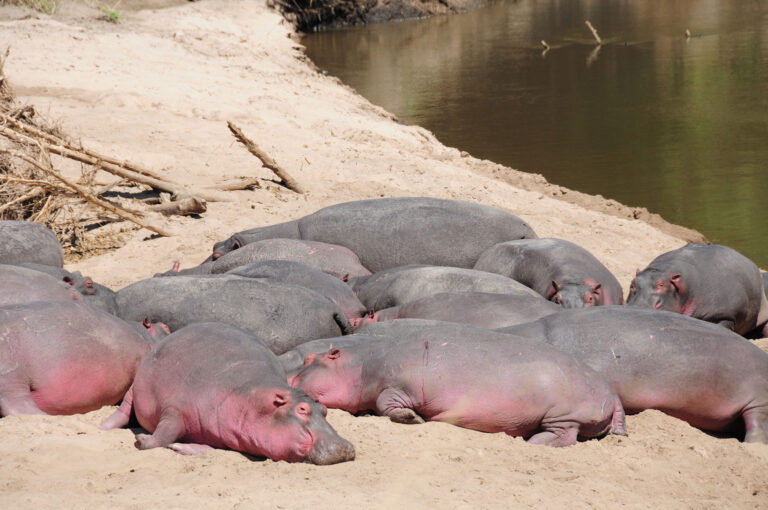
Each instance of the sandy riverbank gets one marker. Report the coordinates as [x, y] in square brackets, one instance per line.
[157, 88]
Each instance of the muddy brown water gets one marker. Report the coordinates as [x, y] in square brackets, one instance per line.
[649, 118]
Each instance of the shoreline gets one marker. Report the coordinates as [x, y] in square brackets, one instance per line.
[158, 88]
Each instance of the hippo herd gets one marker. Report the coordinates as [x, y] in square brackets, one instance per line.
[418, 309]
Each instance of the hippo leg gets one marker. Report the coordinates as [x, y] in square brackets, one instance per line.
[619, 420]
[756, 424]
[122, 415]
[169, 429]
[557, 436]
[17, 399]
[727, 324]
[190, 448]
[391, 403]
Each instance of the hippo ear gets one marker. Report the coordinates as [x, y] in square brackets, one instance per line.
[334, 354]
[68, 280]
[146, 323]
[677, 282]
[554, 289]
[345, 277]
[176, 266]
[596, 287]
[278, 400]
[637, 271]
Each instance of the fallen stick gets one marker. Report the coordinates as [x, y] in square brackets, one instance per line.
[240, 184]
[81, 157]
[32, 194]
[267, 161]
[191, 205]
[594, 32]
[89, 196]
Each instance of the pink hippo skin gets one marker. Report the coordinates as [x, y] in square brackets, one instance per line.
[64, 357]
[469, 377]
[21, 285]
[214, 385]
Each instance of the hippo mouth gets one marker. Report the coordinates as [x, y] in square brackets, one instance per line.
[331, 451]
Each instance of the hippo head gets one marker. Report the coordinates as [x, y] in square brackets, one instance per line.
[576, 294]
[329, 379]
[153, 332]
[659, 290]
[296, 429]
[223, 247]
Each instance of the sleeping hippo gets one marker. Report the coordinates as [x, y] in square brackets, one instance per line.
[470, 377]
[293, 360]
[559, 270]
[21, 285]
[214, 385]
[26, 241]
[687, 368]
[64, 357]
[709, 282]
[391, 232]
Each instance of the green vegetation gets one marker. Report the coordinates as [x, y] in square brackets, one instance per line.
[46, 6]
[110, 15]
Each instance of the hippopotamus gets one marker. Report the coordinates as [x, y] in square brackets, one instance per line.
[293, 360]
[21, 285]
[238, 399]
[398, 328]
[303, 275]
[329, 258]
[684, 367]
[25, 241]
[482, 309]
[470, 377]
[281, 314]
[391, 232]
[709, 282]
[64, 357]
[559, 270]
[95, 294]
[400, 285]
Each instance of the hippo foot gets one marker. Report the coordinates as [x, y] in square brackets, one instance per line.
[190, 448]
[23, 405]
[117, 420]
[756, 423]
[407, 416]
[561, 437]
[146, 442]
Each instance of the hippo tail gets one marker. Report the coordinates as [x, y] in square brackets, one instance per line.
[619, 419]
[343, 322]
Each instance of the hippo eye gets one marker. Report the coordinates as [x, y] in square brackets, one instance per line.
[303, 409]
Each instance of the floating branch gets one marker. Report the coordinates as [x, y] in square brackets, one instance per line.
[266, 160]
[594, 32]
[544, 43]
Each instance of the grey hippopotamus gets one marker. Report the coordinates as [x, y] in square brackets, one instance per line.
[303, 275]
[293, 360]
[237, 399]
[391, 232]
[282, 315]
[709, 282]
[64, 357]
[399, 328]
[95, 294]
[400, 285]
[482, 309]
[559, 270]
[687, 368]
[469, 377]
[21, 285]
[25, 241]
[329, 258]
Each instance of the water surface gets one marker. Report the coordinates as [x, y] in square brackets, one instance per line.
[649, 118]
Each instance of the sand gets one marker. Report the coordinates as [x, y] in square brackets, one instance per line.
[157, 88]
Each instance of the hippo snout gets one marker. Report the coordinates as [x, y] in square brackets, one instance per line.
[331, 450]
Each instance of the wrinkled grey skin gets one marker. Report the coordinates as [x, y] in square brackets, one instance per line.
[64, 357]
[709, 282]
[398, 328]
[21, 285]
[214, 385]
[293, 360]
[328, 258]
[281, 314]
[687, 368]
[391, 232]
[471, 378]
[481, 309]
[303, 275]
[559, 270]
[400, 285]
[95, 294]
[25, 241]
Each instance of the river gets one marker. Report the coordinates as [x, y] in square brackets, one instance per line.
[650, 117]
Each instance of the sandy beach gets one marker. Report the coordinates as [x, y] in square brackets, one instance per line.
[158, 88]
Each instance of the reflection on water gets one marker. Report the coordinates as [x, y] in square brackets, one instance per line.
[650, 118]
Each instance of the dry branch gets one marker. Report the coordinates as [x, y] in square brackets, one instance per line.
[191, 205]
[594, 32]
[266, 160]
[240, 184]
[32, 194]
[85, 194]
